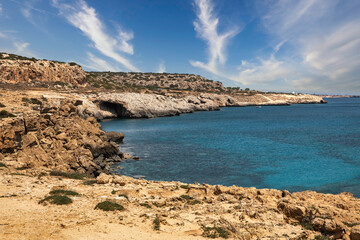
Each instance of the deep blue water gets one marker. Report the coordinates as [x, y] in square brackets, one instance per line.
[298, 147]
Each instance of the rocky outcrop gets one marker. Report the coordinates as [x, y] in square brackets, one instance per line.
[139, 105]
[116, 80]
[59, 139]
[27, 71]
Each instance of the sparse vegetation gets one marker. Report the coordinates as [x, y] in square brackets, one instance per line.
[89, 182]
[351, 224]
[190, 200]
[145, 205]
[2, 165]
[156, 223]
[2, 105]
[57, 200]
[123, 195]
[321, 237]
[184, 186]
[6, 114]
[67, 175]
[215, 232]
[109, 206]
[63, 192]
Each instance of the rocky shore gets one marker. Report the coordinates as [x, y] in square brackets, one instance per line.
[51, 137]
[55, 161]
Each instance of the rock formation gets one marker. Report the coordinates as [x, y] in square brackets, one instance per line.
[58, 138]
[15, 70]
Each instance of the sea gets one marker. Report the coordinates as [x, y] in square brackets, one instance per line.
[298, 147]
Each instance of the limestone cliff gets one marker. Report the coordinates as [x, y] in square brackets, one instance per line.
[139, 105]
[17, 69]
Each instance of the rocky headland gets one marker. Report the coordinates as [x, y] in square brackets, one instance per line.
[55, 166]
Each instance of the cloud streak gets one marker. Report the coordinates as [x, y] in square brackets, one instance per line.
[322, 42]
[85, 18]
[98, 64]
[161, 68]
[206, 25]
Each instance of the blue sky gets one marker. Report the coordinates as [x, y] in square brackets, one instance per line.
[284, 45]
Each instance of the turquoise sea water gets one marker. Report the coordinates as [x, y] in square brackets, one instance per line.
[298, 147]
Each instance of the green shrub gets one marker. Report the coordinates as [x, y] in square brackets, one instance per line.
[6, 114]
[156, 223]
[57, 199]
[184, 186]
[123, 195]
[67, 175]
[321, 237]
[2, 165]
[351, 224]
[89, 182]
[35, 101]
[215, 232]
[145, 205]
[187, 197]
[22, 168]
[63, 192]
[109, 206]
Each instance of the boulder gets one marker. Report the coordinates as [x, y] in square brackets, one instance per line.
[103, 178]
[292, 211]
[355, 233]
[115, 136]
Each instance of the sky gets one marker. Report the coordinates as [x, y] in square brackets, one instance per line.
[310, 46]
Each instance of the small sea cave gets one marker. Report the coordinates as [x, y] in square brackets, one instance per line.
[117, 109]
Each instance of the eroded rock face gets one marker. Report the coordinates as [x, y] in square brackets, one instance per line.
[26, 71]
[59, 139]
[140, 105]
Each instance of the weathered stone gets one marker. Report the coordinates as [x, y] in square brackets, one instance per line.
[355, 233]
[103, 178]
[115, 136]
[292, 211]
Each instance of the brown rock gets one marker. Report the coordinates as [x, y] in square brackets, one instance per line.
[115, 136]
[355, 233]
[292, 211]
[103, 178]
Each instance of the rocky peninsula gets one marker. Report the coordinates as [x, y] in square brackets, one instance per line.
[55, 163]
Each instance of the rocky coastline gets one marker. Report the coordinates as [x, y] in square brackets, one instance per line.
[56, 184]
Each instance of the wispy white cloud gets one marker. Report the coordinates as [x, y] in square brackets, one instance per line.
[1, 9]
[206, 25]
[267, 70]
[2, 35]
[98, 64]
[324, 41]
[85, 18]
[22, 48]
[161, 68]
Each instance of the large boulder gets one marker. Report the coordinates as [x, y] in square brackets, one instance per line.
[292, 211]
[115, 136]
[355, 233]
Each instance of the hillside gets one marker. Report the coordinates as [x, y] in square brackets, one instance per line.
[16, 69]
[152, 81]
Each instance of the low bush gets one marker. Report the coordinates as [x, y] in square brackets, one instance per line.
[2, 165]
[67, 175]
[2, 105]
[6, 114]
[156, 223]
[57, 200]
[89, 182]
[215, 232]
[109, 206]
[63, 192]
[145, 205]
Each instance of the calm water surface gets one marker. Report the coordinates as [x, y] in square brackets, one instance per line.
[298, 147]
